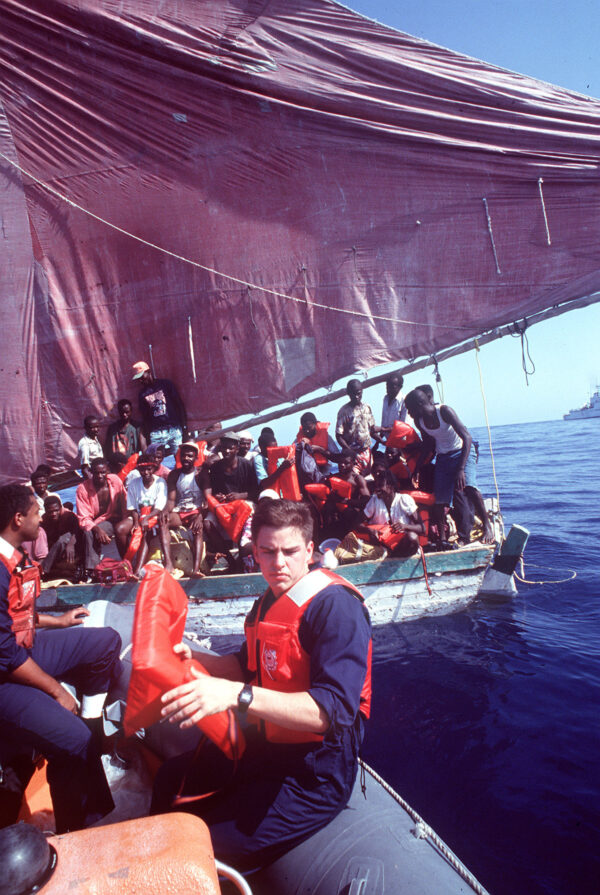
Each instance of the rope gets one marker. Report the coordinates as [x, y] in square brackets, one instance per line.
[491, 232]
[422, 552]
[424, 831]
[523, 580]
[489, 431]
[521, 332]
[438, 379]
[540, 182]
[218, 273]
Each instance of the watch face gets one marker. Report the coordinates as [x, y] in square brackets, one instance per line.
[245, 698]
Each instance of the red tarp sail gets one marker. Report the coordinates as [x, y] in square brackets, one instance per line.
[337, 166]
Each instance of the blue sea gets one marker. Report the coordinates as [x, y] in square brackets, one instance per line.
[488, 721]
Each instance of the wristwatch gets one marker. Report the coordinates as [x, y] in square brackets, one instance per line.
[245, 697]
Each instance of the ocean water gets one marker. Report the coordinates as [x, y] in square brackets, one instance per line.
[488, 720]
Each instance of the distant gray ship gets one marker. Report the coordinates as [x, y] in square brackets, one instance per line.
[588, 411]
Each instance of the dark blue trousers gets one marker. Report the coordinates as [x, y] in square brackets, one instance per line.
[277, 795]
[87, 658]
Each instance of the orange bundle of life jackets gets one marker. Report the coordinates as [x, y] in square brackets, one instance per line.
[158, 625]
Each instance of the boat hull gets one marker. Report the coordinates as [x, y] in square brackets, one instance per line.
[395, 590]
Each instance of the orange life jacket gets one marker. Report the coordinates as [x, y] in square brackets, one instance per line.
[287, 483]
[401, 435]
[23, 590]
[232, 516]
[137, 534]
[158, 624]
[284, 665]
[129, 467]
[201, 457]
[320, 439]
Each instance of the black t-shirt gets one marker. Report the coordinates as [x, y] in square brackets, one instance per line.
[159, 405]
[240, 480]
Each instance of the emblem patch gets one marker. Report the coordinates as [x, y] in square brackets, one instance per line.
[269, 660]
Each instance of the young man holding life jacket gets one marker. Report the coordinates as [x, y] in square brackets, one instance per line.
[348, 497]
[391, 518]
[302, 680]
[185, 503]
[37, 714]
[146, 503]
[314, 434]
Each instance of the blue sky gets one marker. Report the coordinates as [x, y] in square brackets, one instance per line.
[556, 42]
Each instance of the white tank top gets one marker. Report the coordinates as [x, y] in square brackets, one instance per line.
[446, 438]
[189, 495]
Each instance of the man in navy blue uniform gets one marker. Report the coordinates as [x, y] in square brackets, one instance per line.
[302, 679]
[37, 713]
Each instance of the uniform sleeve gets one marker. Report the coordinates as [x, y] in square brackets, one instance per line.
[336, 632]
[11, 654]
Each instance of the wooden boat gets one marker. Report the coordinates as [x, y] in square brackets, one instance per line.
[395, 590]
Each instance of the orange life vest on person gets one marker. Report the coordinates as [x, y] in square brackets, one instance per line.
[320, 439]
[201, 457]
[232, 516]
[23, 590]
[129, 467]
[287, 483]
[158, 624]
[284, 666]
[401, 435]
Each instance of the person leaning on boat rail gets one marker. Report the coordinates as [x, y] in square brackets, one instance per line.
[37, 713]
[302, 679]
[163, 411]
[454, 470]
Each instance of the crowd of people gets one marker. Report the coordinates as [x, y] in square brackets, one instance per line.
[301, 679]
[391, 484]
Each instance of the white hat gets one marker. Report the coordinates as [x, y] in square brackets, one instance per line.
[270, 493]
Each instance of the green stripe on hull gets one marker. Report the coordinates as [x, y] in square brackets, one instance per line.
[224, 587]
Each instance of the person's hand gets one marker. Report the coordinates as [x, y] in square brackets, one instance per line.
[285, 464]
[101, 535]
[398, 527]
[221, 497]
[235, 495]
[182, 650]
[197, 523]
[415, 479]
[70, 552]
[460, 481]
[203, 695]
[73, 617]
[68, 702]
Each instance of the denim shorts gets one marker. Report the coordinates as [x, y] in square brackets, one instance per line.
[170, 438]
[445, 469]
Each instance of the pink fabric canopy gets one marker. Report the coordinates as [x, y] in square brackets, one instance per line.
[270, 193]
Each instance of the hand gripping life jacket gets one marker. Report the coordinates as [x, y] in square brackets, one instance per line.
[287, 483]
[320, 439]
[275, 654]
[158, 624]
[137, 534]
[232, 516]
[23, 590]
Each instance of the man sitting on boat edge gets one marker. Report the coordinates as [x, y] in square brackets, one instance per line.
[303, 680]
[36, 711]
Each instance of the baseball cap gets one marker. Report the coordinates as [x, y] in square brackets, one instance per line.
[139, 369]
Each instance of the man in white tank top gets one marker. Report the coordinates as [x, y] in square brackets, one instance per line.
[454, 460]
[185, 502]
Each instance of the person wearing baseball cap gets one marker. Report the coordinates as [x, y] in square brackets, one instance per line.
[163, 411]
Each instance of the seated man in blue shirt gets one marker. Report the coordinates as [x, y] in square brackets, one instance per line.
[37, 713]
[302, 679]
